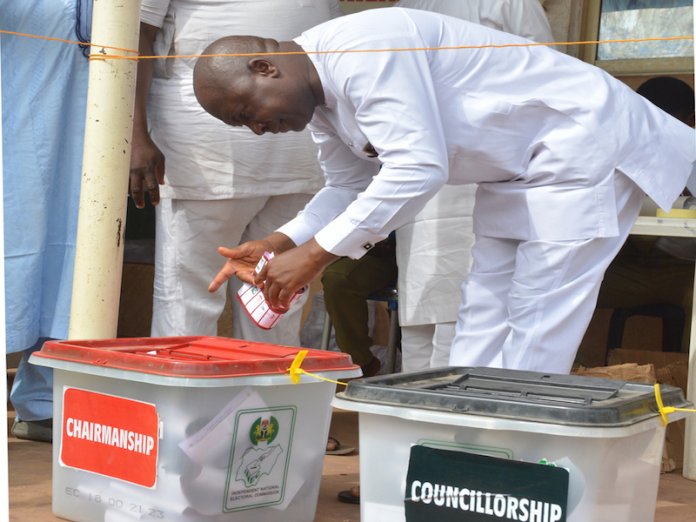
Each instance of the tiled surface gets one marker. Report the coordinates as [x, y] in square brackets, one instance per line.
[30, 482]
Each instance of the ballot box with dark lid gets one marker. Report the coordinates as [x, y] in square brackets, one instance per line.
[608, 434]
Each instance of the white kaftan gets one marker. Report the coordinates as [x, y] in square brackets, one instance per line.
[433, 252]
[519, 121]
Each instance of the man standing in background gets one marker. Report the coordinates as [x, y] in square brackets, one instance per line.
[44, 91]
[220, 185]
[433, 252]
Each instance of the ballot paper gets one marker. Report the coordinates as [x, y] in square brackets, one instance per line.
[255, 303]
[691, 182]
[244, 456]
[210, 446]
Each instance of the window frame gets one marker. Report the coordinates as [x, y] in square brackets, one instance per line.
[625, 67]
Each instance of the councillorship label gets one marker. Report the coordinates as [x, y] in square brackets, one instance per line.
[455, 486]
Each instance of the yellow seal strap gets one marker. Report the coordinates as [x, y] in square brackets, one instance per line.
[666, 410]
[296, 370]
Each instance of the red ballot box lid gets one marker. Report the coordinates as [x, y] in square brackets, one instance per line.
[193, 357]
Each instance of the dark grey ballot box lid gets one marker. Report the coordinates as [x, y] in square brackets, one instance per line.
[521, 395]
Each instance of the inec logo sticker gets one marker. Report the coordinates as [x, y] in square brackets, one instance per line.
[259, 458]
[264, 430]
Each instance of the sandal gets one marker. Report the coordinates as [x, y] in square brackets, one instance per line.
[334, 447]
[350, 496]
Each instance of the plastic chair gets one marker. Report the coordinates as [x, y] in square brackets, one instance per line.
[387, 295]
[673, 322]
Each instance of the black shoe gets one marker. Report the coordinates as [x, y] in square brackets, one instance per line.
[40, 430]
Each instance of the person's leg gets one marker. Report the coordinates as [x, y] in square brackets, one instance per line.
[442, 344]
[555, 290]
[482, 325]
[416, 347]
[277, 211]
[544, 306]
[347, 283]
[186, 260]
[32, 399]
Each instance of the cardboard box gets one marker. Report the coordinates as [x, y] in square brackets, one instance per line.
[651, 367]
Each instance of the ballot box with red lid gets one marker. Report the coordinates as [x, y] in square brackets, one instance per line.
[189, 428]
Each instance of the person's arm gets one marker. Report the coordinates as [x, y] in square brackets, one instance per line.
[298, 257]
[346, 176]
[366, 207]
[242, 259]
[147, 161]
[404, 127]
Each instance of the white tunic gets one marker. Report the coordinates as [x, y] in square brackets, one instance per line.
[206, 159]
[434, 250]
[539, 131]
[521, 17]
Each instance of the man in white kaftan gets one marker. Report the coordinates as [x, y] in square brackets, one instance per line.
[562, 153]
[433, 252]
[221, 185]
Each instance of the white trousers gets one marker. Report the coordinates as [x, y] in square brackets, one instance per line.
[188, 233]
[526, 304]
[426, 346]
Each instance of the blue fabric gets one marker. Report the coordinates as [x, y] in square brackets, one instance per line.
[44, 89]
[32, 389]
[44, 86]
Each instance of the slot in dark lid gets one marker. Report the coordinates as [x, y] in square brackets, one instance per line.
[521, 395]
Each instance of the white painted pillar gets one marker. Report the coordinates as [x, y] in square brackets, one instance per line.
[105, 169]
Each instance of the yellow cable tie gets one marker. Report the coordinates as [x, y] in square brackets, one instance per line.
[325, 379]
[660, 405]
[296, 371]
[665, 411]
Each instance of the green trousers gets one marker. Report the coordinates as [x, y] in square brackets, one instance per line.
[347, 284]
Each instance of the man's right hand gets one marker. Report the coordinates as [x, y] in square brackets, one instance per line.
[146, 171]
[242, 259]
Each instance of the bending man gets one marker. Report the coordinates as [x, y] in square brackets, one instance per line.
[562, 153]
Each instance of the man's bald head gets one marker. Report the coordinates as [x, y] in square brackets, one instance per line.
[241, 84]
[222, 72]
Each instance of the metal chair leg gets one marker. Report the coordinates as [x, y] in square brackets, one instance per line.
[326, 333]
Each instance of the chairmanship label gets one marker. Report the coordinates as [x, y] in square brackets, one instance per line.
[456, 486]
[110, 435]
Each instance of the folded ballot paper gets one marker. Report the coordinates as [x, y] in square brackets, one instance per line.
[255, 303]
[243, 458]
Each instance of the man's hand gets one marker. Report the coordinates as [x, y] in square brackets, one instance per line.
[147, 161]
[242, 259]
[290, 271]
[146, 171]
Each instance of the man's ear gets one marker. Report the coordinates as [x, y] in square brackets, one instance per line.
[263, 67]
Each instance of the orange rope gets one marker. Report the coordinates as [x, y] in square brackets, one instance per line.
[446, 48]
[105, 56]
[63, 40]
